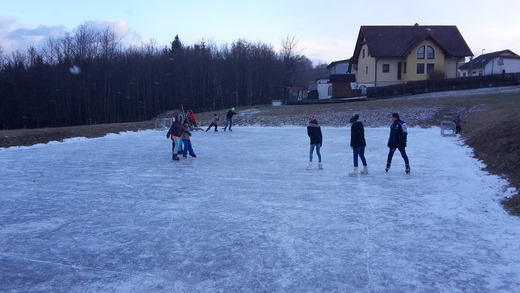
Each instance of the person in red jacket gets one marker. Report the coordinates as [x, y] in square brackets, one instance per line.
[191, 118]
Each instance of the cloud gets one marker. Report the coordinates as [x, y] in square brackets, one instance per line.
[119, 26]
[15, 36]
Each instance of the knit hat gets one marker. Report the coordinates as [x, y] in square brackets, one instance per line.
[313, 120]
[354, 118]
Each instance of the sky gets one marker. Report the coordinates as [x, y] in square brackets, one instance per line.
[116, 214]
[325, 31]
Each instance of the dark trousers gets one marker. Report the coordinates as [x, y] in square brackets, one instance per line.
[211, 125]
[403, 154]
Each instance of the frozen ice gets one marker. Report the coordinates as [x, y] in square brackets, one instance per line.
[116, 214]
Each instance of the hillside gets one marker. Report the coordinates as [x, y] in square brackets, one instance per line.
[492, 128]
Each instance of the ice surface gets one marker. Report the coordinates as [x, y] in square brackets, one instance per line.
[116, 214]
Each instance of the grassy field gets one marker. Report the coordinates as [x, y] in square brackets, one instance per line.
[492, 128]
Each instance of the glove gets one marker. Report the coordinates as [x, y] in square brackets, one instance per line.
[388, 144]
[404, 144]
[167, 136]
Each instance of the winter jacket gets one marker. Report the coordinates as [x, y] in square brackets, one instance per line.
[187, 133]
[398, 134]
[314, 132]
[230, 113]
[176, 129]
[191, 116]
[357, 135]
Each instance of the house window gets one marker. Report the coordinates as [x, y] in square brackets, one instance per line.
[329, 91]
[425, 68]
[363, 53]
[404, 69]
[430, 67]
[386, 68]
[366, 69]
[420, 53]
[430, 53]
[420, 68]
[425, 52]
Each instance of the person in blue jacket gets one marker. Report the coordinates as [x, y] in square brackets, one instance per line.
[397, 140]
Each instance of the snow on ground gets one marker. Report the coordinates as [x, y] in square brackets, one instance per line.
[116, 214]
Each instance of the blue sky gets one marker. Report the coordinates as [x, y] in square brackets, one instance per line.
[326, 31]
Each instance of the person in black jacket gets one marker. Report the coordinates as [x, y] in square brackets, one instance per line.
[358, 144]
[229, 118]
[314, 133]
[175, 133]
[397, 140]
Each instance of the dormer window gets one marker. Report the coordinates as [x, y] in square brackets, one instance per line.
[425, 52]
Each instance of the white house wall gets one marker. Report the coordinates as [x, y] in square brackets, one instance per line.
[340, 68]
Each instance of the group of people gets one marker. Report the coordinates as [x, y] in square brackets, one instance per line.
[180, 132]
[396, 141]
[229, 120]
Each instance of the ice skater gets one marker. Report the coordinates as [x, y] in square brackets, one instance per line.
[175, 133]
[214, 122]
[229, 118]
[186, 141]
[358, 144]
[397, 140]
[191, 117]
[316, 137]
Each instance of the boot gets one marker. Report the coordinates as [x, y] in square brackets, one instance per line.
[353, 173]
[407, 169]
[175, 157]
[365, 170]
[387, 167]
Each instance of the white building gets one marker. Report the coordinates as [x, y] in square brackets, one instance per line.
[324, 86]
[505, 61]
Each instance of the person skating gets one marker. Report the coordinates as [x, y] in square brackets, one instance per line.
[316, 137]
[397, 140]
[358, 144]
[175, 133]
[214, 122]
[191, 118]
[457, 122]
[229, 118]
[187, 141]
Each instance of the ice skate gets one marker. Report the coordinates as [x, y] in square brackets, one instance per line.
[353, 173]
[309, 166]
[407, 170]
[320, 166]
[387, 167]
[365, 170]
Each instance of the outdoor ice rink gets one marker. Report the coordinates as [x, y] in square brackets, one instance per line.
[116, 214]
